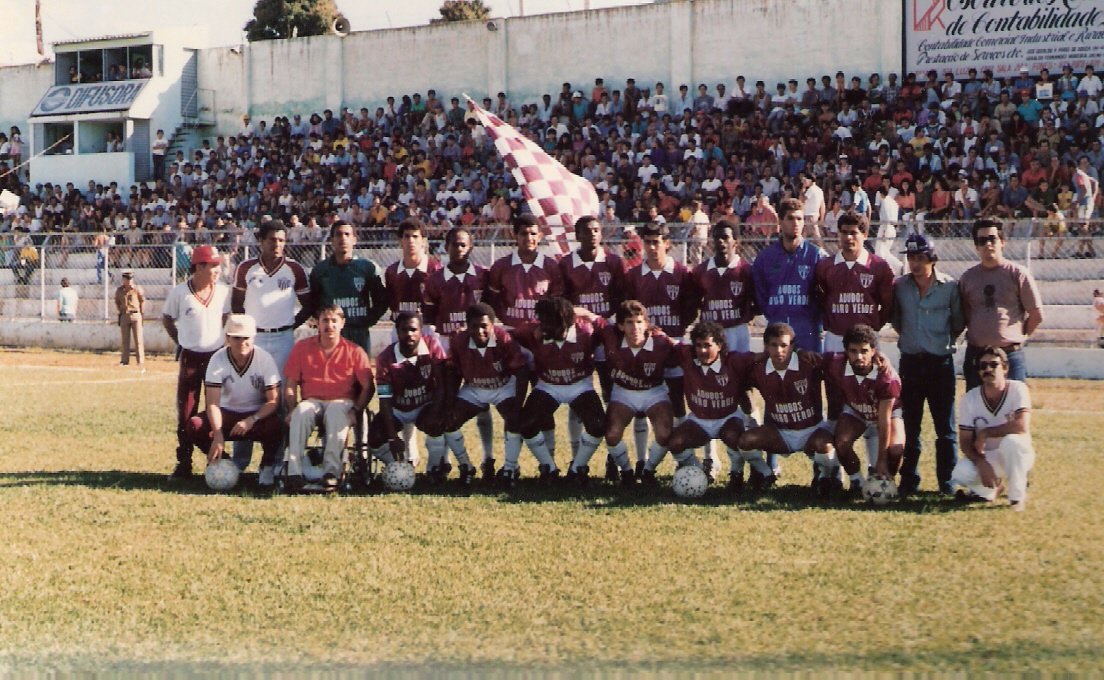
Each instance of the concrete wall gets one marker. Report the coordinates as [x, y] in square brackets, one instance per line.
[20, 89]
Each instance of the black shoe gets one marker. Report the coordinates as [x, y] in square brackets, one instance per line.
[487, 469]
[707, 467]
[507, 478]
[295, 483]
[446, 470]
[964, 496]
[648, 478]
[434, 476]
[181, 473]
[764, 483]
[639, 467]
[329, 481]
[735, 482]
[854, 492]
[612, 471]
[580, 476]
[835, 486]
[548, 476]
[628, 477]
[908, 486]
[467, 475]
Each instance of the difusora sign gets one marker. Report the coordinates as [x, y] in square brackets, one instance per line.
[88, 98]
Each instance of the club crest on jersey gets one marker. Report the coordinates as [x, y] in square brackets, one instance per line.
[672, 292]
[358, 282]
[802, 386]
[737, 287]
[541, 288]
[649, 368]
[722, 379]
[427, 370]
[803, 271]
[284, 284]
[497, 366]
[257, 382]
[477, 295]
[604, 277]
[866, 280]
[577, 357]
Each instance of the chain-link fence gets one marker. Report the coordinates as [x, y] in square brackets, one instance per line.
[1061, 256]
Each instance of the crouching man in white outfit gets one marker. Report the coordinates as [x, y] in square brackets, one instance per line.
[994, 425]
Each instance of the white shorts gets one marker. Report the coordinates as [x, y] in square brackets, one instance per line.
[871, 427]
[796, 439]
[738, 338]
[565, 394]
[485, 396]
[833, 342]
[712, 427]
[406, 417]
[600, 353]
[1084, 212]
[639, 401]
[675, 372]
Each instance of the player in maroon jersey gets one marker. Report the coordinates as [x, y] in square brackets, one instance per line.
[717, 397]
[728, 294]
[667, 291]
[563, 358]
[449, 293]
[790, 384]
[409, 379]
[406, 279]
[485, 367]
[594, 279]
[637, 354]
[856, 286]
[871, 408]
[518, 280]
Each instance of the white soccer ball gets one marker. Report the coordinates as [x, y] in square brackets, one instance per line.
[690, 482]
[878, 491]
[399, 476]
[222, 475]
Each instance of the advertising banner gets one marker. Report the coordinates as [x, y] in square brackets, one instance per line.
[1003, 35]
[89, 98]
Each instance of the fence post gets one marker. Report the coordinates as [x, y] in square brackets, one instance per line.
[172, 264]
[42, 283]
[106, 282]
[1029, 241]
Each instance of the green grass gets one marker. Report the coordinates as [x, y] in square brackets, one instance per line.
[105, 564]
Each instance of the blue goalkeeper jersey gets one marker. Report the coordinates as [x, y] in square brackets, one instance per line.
[784, 289]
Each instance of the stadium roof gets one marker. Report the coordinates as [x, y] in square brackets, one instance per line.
[121, 36]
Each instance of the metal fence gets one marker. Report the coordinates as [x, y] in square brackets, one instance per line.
[33, 268]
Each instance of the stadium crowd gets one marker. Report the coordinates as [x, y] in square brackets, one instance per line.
[924, 153]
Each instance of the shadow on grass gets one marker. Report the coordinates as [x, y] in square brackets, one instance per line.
[599, 495]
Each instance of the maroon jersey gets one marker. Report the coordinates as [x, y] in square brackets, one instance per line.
[515, 287]
[561, 363]
[406, 287]
[641, 368]
[713, 392]
[489, 367]
[854, 292]
[408, 381]
[597, 286]
[728, 298]
[448, 296]
[668, 294]
[792, 396]
[862, 393]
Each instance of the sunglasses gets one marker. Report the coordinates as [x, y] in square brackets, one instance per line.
[986, 240]
[983, 365]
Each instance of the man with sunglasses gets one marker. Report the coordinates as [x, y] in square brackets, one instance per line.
[1001, 303]
[994, 426]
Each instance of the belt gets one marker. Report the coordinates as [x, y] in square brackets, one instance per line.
[281, 329]
[1008, 349]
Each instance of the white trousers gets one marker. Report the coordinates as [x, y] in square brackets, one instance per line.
[1012, 460]
[308, 415]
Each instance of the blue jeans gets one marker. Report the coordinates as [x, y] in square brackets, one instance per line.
[930, 378]
[1017, 367]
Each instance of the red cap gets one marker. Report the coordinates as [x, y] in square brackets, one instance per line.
[206, 254]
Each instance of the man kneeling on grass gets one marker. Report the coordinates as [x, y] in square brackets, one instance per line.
[333, 378]
[994, 426]
[243, 391]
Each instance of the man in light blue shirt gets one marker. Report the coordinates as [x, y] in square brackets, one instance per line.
[928, 316]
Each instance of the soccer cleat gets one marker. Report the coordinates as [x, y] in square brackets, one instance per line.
[648, 477]
[908, 486]
[639, 467]
[181, 473]
[580, 476]
[548, 476]
[854, 492]
[736, 482]
[434, 475]
[612, 471]
[295, 483]
[446, 469]
[487, 469]
[628, 477]
[266, 477]
[467, 475]
[507, 478]
[707, 467]
[329, 481]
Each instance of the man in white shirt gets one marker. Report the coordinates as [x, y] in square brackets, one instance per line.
[994, 428]
[814, 208]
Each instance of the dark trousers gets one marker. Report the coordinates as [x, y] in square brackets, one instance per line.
[189, 385]
[930, 378]
[268, 431]
[1017, 366]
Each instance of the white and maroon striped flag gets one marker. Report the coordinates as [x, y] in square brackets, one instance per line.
[555, 196]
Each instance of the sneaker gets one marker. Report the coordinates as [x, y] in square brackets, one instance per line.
[707, 467]
[628, 477]
[735, 482]
[266, 477]
[647, 477]
[548, 476]
[487, 468]
[467, 475]
[612, 471]
[580, 476]
[329, 481]
[181, 473]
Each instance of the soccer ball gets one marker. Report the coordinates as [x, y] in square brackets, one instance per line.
[878, 491]
[399, 476]
[222, 475]
[690, 482]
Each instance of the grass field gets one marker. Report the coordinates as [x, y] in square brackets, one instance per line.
[106, 565]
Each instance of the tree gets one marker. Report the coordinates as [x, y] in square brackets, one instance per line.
[276, 19]
[463, 10]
